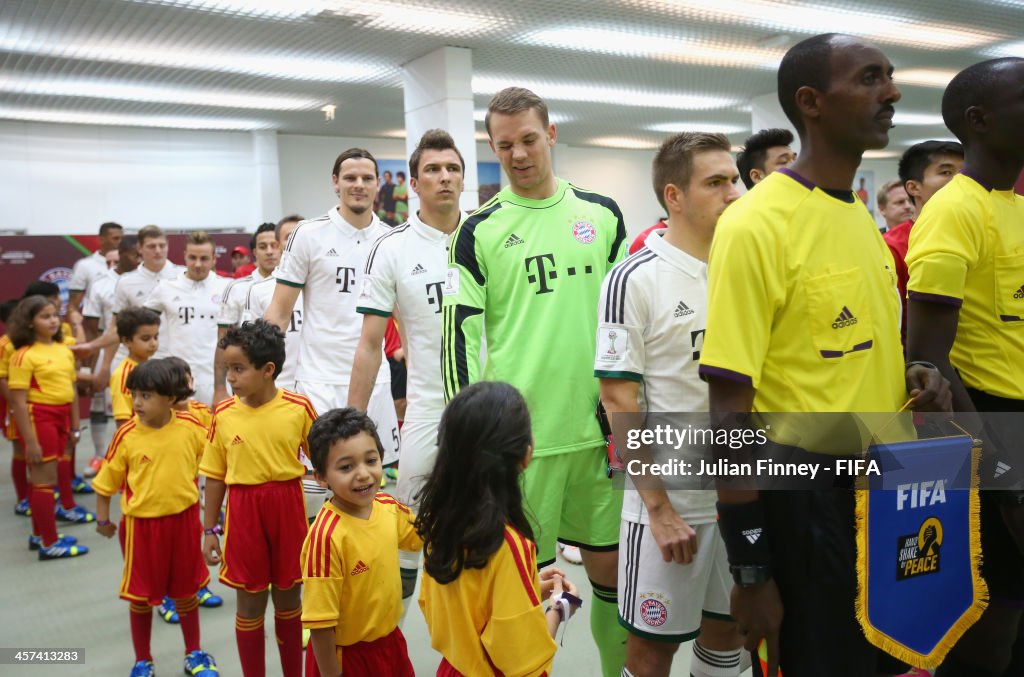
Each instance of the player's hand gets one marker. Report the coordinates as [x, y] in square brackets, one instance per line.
[211, 549]
[107, 530]
[33, 453]
[547, 580]
[758, 613]
[676, 539]
[929, 388]
[73, 439]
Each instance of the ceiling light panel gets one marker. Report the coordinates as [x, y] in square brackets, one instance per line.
[612, 95]
[711, 127]
[646, 45]
[926, 77]
[906, 118]
[813, 19]
[258, 64]
[381, 15]
[624, 142]
[121, 91]
[114, 119]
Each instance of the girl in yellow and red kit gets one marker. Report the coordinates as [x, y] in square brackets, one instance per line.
[44, 407]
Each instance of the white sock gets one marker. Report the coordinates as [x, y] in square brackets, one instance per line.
[708, 663]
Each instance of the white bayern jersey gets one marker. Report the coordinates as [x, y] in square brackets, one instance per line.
[87, 270]
[651, 321]
[188, 310]
[99, 299]
[257, 300]
[325, 257]
[134, 288]
[406, 270]
[232, 305]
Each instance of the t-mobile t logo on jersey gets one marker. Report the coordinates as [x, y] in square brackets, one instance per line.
[545, 271]
[434, 294]
[186, 313]
[346, 276]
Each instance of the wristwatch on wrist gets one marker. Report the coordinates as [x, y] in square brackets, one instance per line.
[747, 576]
[215, 530]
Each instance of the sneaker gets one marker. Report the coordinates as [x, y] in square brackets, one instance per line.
[93, 468]
[36, 542]
[22, 508]
[383, 481]
[77, 515]
[200, 664]
[208, 599]
[143, 669]
[391, 474]
[61, 550]
[570, 553]
[80, 486]
[167, 611]
[306, 634]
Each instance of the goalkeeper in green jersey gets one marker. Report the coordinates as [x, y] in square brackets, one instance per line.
[524, 276]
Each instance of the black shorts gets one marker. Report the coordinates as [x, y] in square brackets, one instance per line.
[1002, 564]
[399, 375]
[813, 542]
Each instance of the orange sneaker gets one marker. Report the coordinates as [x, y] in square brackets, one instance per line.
[93, 468]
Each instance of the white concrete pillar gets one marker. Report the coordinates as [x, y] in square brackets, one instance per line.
[267, 169]
[439, 94]
[766, 113]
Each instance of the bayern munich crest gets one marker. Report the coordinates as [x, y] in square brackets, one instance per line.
[584, 232]
[653, 612]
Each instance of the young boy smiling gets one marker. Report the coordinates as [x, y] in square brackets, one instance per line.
[255, 444]
[353, 599]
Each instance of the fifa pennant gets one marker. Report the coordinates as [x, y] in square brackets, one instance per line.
[919, 548]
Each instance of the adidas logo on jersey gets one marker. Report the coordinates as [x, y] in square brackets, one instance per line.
[1001, 469]
[513, 240]
[237, 440]
[752, 535]
[360, 568]
[1019, 294]
[845, 319]
[682, 310]
[331, 252]
[145, 459]
[418, 269]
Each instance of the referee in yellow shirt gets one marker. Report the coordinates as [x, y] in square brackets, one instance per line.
[803, 316]
[966, 315]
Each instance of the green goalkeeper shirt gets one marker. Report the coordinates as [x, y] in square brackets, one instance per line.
[526, 274]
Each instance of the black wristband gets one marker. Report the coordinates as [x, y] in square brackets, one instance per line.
[743, 530]
[926, 365]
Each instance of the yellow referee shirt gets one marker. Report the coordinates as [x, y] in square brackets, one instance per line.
[265, 444]
[156, 467]
[492, 617]
[967, 250]
[46, 371]
[803, 304]
[120, 396]
[350, 573]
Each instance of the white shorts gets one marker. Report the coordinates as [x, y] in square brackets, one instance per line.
[315, 496]
[381, 408]
[665, 601]
[419, 451]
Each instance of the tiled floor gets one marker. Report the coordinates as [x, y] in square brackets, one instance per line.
[74, 603]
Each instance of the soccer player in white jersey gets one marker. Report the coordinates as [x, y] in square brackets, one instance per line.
[232, 307]
[131, 291]
[189, 306]
[324, 259]
[674, 580]
[405, 274]
[258, 299]
[97, 315]
[92, 268]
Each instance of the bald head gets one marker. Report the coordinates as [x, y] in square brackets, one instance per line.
[979, 94]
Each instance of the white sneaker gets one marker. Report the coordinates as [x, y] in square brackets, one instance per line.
[570, 553]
